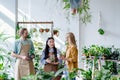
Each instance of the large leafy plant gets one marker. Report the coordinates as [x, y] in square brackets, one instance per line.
[40, 75]
[82, 9]
[5, 58]
[95, 50]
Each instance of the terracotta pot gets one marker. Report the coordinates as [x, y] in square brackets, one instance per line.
[74, 11]
[47, 30]
[57, 78]
[1, 78]
[41, 30]
[56, 32]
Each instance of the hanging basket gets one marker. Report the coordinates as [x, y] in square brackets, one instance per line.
[47, 30]
[41, 30]
[34, 30]
[56, 32]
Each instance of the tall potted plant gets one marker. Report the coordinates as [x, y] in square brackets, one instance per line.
[4, 57]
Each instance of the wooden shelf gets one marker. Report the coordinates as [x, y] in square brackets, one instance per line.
[35, 22]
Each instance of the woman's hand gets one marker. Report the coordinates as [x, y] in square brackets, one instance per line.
[25, 58]
[62, 57]
[32, 56]
[55, 63]
[48, 60]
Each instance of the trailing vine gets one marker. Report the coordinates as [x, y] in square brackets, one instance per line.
[82, 8]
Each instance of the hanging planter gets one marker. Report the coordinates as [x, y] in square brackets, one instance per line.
[101, 31]
[79, 6]
[33, 30]
[47, 30]
[41, 30]
[74, 5]
[56, 32]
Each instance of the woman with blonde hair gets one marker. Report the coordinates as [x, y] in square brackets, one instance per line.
[71, 53]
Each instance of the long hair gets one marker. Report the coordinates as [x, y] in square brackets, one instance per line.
[47, 49]
[72, 38]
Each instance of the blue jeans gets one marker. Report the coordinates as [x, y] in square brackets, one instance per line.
[66, 73]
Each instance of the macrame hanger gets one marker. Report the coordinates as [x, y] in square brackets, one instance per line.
[100, 19]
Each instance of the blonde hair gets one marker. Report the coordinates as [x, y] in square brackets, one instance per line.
[71, 38]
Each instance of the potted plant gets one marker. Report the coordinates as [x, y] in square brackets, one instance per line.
[5, 59]
[3, 76]
[41, 30]
[101, 31]
[79, 6]
[85, 52]
[40, 75]
[34, 30]
[86, 74]
[47, 30]
[56, 32]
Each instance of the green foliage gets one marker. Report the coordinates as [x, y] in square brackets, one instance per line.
[95, 50]
[4, 76]
[17, 36]
[115, 78]
[82, 10]
[40, 75]
[38, 49]
[86, 74]
[101, 31]
[108, 69]
[5, 58]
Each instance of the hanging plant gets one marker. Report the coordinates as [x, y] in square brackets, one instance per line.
[56, 32]
[79, 6]
[47, 30]
[101, 31]
[34, 30]
[41, 30]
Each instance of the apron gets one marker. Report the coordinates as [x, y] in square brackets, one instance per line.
[51, 67]
[24, 67]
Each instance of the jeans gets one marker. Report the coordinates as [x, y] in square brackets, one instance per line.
[66, 73]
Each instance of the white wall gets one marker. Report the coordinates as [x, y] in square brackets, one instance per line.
[7, 20]
[110, 10]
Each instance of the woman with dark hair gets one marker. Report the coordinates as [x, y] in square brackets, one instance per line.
[24, 53]
[50, 58]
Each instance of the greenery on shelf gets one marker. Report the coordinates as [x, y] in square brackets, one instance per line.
[86, 74]
[82, 10]
[95, 50]
[40, 75]
[109, 68]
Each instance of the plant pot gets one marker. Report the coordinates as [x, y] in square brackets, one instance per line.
[41, 30]
[1, 78]
[47, 30]
[101, 31]
[57, 78]
[56, 32]
[34, 30]
[74, 11]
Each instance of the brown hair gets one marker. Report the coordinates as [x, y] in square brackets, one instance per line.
[21, 32]
[72, 38]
